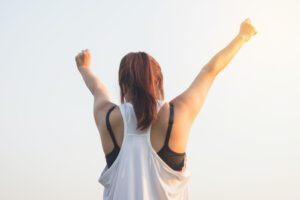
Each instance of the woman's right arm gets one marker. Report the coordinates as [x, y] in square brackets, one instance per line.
[189, 103]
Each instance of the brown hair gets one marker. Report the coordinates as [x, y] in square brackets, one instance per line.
[140, 75]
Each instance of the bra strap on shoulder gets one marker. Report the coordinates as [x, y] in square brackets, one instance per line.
[170, 124]
[108, 126]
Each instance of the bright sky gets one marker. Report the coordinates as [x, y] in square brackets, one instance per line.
[244, 143]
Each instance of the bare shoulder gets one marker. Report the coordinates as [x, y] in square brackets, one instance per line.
[181, 112]
[181, 125]
[116, 122]
[190, 102]
[101, 111]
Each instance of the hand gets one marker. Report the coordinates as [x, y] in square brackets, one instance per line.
[247, 30]
[83, 59]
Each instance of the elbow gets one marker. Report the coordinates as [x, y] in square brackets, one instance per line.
[212, 69]
[214, 66]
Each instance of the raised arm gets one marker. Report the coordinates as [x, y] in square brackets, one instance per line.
[96, 87]
[189, 102]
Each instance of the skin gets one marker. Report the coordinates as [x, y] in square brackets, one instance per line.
[187, 105]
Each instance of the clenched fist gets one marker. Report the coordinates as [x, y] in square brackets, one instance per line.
[83, 59]
[247, 30]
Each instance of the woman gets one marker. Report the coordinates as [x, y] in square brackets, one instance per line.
[145, 137]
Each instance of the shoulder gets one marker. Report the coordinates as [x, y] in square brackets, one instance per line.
[100, 114]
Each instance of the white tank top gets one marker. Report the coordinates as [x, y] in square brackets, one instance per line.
[139, 173]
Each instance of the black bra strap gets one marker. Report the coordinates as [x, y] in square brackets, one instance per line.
[109, 127]
[170, 124]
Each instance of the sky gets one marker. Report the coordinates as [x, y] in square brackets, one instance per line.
[244, 143]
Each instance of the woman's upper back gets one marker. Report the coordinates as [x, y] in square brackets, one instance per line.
[139, 171]
[178, 136]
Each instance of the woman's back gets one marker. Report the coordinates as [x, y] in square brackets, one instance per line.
[178, 134]
[138, 172]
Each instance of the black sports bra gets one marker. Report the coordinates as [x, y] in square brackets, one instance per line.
[173, 159]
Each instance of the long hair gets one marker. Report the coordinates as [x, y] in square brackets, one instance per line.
[140, 76]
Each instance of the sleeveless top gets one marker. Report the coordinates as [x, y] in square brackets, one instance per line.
[139, 172]
[174, 159]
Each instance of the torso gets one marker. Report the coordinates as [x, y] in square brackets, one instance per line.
[178, 138]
